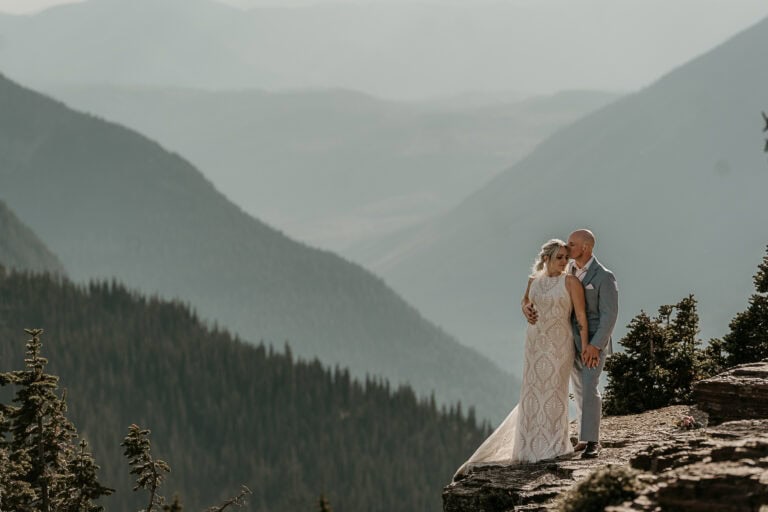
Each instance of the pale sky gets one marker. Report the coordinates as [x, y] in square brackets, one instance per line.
[26, 6]
[726, 11]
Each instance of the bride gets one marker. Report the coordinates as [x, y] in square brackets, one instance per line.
[537, 428]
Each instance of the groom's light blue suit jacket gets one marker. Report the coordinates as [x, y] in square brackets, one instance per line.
[601, 294]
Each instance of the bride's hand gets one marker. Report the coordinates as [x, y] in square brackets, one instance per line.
[590, 356]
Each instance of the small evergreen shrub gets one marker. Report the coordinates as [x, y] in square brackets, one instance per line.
[611, 485]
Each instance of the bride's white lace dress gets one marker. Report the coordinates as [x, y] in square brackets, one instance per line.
[537, 428]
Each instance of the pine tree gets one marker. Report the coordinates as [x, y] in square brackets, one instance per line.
[660, 363]
[175, 506]
[149, 472]
[634, 375]
[235, 501]
[41, 444]
[748, 340]
[712, 358]
[15, 493]
[323, 504]
[82, 484]
[683, 365]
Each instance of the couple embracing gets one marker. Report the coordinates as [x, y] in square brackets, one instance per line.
[571, 304]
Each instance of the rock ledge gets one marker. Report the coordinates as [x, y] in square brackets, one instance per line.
[739, 393]
[723, 467]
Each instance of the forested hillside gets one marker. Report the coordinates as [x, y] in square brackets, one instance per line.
[225, 413]
[111, 203]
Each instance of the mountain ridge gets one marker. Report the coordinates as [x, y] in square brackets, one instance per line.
[401, 162]
[673, 169]
[21, 249]
[111, 203]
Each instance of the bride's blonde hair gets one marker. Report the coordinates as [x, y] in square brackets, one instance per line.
[547, 252]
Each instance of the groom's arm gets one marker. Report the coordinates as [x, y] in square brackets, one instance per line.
[608, 306]
[527, 306]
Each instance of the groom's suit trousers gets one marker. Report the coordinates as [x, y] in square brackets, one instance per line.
[589, 402]
[602, 304]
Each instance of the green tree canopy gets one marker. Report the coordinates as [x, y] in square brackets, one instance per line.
[45, 468]
[748, 339]
[660, 363]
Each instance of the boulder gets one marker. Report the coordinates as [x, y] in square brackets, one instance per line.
[739, 393]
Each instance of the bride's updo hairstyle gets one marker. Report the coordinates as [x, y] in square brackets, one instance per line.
[547, 252]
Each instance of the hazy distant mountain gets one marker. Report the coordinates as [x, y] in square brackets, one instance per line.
[673, 180]
[341, 167]
[398, 49]
[110, 202]
[20, 248]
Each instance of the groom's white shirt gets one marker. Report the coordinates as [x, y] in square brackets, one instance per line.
[581, 272]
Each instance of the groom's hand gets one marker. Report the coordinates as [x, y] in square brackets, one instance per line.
[590, 356]
[530, 313]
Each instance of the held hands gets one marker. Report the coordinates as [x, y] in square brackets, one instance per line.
[530, 313]
[590, 356]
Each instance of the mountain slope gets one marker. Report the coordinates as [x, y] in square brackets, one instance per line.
[672, 179]
[109, 202]
[21, 249]
[224, 413]
[400, 162]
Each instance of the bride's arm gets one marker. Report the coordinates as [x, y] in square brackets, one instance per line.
[576, 291]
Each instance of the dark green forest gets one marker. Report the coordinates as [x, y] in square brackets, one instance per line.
[225, 413]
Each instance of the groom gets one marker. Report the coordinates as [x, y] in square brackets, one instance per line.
[601, 295]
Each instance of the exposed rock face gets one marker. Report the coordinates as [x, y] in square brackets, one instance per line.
[719, 468]
[723, 468]
[538, 486]
[739, 393]
[529, 487]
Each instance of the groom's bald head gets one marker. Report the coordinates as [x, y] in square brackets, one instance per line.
[580, 245]
[583, 236]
